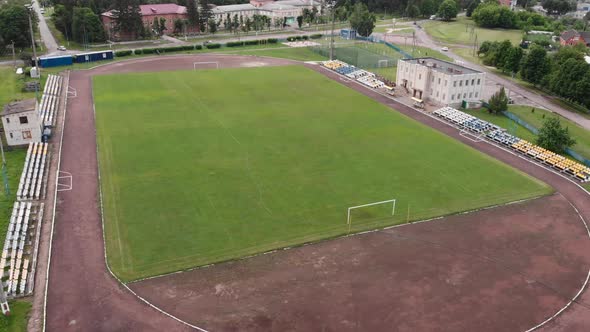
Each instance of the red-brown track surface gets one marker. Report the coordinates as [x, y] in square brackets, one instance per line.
[502, 269]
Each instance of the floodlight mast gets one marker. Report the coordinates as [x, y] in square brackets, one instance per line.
[333, 6]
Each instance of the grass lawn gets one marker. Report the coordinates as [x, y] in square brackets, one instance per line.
[536, 119]
[11, 86]
[459, 32]
[398, 30]
[293, 53]
[388, 72]
[467, 54]
[199, 167]
[422, 51]
[504, 122]
[17, 321]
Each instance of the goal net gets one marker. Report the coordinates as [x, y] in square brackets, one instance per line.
[205, 65]
[373, 210]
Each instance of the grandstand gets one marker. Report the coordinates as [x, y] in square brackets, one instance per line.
[50, 100]
[360, 75]
[32, 181]
[498, 135]
[20, 249]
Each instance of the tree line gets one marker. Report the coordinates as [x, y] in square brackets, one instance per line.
[564, 73]
[14, 25]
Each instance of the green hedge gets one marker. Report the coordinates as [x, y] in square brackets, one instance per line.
[295, 38]
[148, 50]
[234, 44]
[123, 53]
[316, 36]
[212, 46]
[138, 51]
[272, 40]
[198, 47]
[305, 37]
[252, 42]
[188, 47]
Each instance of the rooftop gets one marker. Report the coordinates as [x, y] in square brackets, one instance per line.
[19, 106]
[443, 66]
[156, 9]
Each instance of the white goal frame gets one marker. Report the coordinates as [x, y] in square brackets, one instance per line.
[382, 61]
[370, 204]
[216, 63]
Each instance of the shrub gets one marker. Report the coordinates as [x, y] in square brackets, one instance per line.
[294, 38]
[138, 51]
[305, 37]
[272, 40]
[252, 42]
[171, 49]
[198, 47]
[234, 44]
[148, 51]
[188, 47]
[212, 46]
[123, 53]
[316, 36]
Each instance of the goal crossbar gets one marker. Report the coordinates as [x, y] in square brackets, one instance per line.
[195, 64]
[371, 204]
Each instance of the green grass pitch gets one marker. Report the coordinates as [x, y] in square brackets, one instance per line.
[200, 167]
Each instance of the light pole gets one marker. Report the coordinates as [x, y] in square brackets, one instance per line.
[333, 7]
[4, 175]
[30, 9]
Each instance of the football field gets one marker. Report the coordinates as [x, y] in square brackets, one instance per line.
[203, 166]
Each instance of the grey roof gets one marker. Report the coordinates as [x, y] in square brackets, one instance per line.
[276, 5]
[20, 106]
[443, 66]
[233, 8]
[297, 3]
[567, 35]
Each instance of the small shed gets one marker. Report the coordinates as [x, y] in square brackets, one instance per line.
[348, 33]
[21, 122]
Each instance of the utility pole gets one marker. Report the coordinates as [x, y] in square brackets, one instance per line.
[34, 52]
[332, 33]
[4, 171]
[13, 55]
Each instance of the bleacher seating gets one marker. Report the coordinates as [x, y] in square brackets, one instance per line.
[499, 135]
[50, 99]
[362, 76]
[31, 179]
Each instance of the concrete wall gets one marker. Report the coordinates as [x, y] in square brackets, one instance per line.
[20, 134]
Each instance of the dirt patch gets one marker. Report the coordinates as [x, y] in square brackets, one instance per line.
[507, 269]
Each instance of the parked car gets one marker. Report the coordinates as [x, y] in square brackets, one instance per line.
[61, 48]
[444, 49]
[433, 17]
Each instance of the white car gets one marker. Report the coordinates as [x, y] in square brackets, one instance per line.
[444, 49]
[61, 48]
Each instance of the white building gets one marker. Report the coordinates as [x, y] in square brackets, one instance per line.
[21, 122]
[287, 9]
[439, 81]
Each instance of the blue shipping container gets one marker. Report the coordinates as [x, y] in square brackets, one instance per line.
[348, 33]
[55, 61]
[94, 56]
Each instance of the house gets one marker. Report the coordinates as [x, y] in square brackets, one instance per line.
[439, 81]
[573, 37]
[285, 9]
[508, 3]
[21, 122]
[149, 13]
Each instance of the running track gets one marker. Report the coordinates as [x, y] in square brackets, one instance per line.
[82, 295]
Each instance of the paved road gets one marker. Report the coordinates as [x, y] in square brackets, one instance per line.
[46, 36]
[531, 97]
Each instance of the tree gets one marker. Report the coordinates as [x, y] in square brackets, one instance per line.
[127, 17]
[535, 65]
[498, 102]
[448, 10]
[178, 26]
[427, 8]
[471, 7]
[212, 26]
[86, 26]
[299, 21]
[362, 20]
[192, 13]
[161, 26]
[558, 7]
[205, 14]
[62, 19]
[513, 59]
[552, 136]
[14, 25]
[412, 10]
[227, 22]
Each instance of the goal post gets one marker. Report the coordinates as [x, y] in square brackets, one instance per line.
[383, 63]
[348, 218]
[206, 64]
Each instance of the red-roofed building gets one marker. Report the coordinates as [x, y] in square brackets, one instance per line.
[508, 3]
[573, 37]
[149, 13]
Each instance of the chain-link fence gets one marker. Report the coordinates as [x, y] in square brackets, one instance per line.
[362, 54]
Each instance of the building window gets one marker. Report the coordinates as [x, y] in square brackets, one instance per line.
[460, 83]
[419, 76]
[476, 94]
[439, 81]
[455, 84]
[437, 94]
[444, 96]
[432, 80]
[466, 82]
[478, 81]
[473, 81]
[464, 95]
[452, 97]
[27, 134]
[23, 119]
[470, 94]
[7, 120]
[445, 82]
[11, 135]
